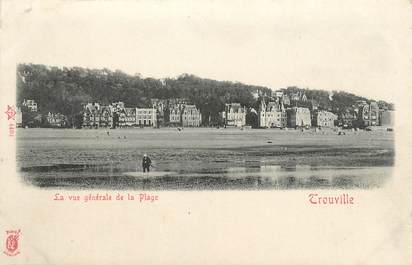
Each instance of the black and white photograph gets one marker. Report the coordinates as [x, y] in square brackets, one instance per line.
[86, 128]
[204, 100]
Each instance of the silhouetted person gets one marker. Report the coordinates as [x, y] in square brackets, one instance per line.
[146, 163]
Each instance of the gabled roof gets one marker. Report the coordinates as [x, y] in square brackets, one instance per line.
[129, 111]
[104, 109]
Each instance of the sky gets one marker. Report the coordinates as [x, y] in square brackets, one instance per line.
[354, 46]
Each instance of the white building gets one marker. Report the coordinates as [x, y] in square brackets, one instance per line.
[323, 118]
[30, 104]
[234, 115]
[175, 115]
[272, 115]
[146, 117]
[19, 117]
[191, 116]
[299, 117]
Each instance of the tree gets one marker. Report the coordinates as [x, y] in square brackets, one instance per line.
[252, 119]
[66, 90]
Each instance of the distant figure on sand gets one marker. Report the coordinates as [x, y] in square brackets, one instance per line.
[146, 163]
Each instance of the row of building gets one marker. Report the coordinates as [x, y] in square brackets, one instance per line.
[274, 114]
[365, 114]
[51, 119]
[170, 112]
[117, 115]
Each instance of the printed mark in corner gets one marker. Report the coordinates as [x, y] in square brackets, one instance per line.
[11, 246]
[11, 114]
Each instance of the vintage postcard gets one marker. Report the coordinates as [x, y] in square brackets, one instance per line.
[179, 132]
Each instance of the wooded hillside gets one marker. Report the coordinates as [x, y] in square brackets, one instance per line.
[66, 90]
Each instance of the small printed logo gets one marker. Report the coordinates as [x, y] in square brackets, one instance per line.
[11, 112]
[12, 242]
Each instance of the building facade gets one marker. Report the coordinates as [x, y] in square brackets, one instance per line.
[146, 117]
[387, 118]
[30, 104]
[106, 116]
[19, 117]
[324, 119]
[96, 116]
[56, 120]
[160, 105]
[191, 116]
[234, 115]
[127, 117]
[91, 115]
[374, 114]
[173, 111]
[175, 115]
[347, 118]
[363, 115]
[272, 115]
[299, 117]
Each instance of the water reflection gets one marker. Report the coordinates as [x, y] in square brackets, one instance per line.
[266, 176]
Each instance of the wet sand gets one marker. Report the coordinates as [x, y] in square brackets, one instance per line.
[204, 158]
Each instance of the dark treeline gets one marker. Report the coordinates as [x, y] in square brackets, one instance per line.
[66, 90]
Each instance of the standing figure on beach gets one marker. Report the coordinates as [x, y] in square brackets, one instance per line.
[146, 163]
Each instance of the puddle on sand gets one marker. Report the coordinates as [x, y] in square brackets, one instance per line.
[289, 176]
